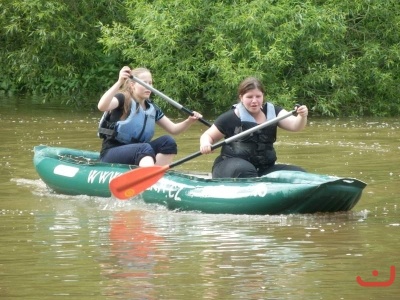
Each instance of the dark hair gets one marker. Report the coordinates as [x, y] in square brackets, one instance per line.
[248, 84]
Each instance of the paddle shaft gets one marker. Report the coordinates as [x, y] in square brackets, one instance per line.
[171, 101]
[233, 138]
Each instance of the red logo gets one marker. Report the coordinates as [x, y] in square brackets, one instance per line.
[375, 273]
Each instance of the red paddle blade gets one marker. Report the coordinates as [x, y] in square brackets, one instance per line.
[134, 182]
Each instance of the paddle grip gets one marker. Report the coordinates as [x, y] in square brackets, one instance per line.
[188, 111]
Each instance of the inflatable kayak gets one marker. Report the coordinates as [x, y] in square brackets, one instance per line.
[79, 172]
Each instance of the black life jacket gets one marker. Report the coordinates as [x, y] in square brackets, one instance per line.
[257, 147]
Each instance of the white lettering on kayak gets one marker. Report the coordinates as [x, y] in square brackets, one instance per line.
[101, 176]
[169, 188]
[174, 191]
[261, 191]
[176, 197]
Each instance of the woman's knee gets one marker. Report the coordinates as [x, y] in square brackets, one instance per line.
[128, 154]
[146, 148]
[165, 144]
[170, 146]
[234, 168]
[145, 151]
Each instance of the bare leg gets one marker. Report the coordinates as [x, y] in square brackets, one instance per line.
[164, 159]
[146, 161]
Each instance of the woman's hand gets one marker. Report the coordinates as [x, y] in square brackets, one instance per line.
[124, 73]
[205, 148]
[195, 116]
[302, 111]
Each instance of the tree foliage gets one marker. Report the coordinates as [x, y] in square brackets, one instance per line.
[338, 57]
[50, 47]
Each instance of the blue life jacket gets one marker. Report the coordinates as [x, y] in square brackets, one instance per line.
[138, 127]
[245, 116]
[257, 147]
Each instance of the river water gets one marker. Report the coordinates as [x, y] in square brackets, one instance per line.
[78, 247]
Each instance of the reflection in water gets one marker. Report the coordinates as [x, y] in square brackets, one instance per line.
[98, 247]
[134, 255]
[219, 256]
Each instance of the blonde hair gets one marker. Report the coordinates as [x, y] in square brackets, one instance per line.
[127, 91]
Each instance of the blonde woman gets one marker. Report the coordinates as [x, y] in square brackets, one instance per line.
[128, 124]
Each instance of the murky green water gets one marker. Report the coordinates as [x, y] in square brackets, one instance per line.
[63, 247]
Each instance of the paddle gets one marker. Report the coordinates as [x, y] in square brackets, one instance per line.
[173, 102]
[134, 182]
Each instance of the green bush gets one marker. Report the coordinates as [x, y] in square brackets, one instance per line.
[338, 57]
[50, 47]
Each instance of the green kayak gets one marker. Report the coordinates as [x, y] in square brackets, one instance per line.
[79, 172]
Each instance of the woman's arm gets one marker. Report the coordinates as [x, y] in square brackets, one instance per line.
[294, 123]
[208, 138]
[108, 101]
[177, 128]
